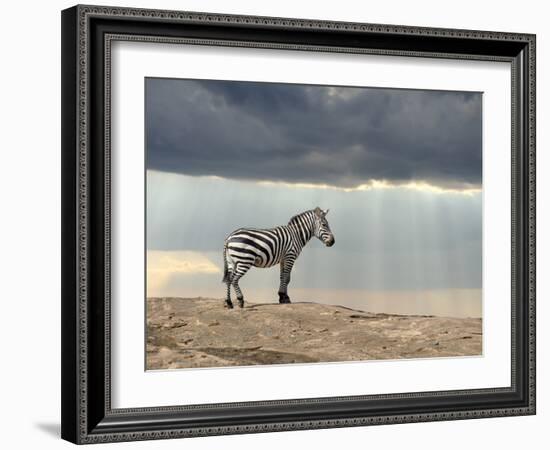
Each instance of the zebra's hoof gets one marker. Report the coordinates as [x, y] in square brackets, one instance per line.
[228, 305]
[241, 302]
[284, 298]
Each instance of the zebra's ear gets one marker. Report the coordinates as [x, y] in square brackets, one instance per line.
[325, 212]
[318, 212]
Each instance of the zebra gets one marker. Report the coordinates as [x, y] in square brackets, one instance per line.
[247, 247]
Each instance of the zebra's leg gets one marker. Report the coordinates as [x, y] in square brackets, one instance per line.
[240, 297]
[239, 272]
[286, 268]
[227, 276]
[228, 302]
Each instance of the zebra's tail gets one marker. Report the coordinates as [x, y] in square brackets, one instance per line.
[225, 269]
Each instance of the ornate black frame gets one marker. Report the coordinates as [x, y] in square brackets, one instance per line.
[87, 416]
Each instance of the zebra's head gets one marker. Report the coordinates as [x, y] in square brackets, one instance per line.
[322, 229]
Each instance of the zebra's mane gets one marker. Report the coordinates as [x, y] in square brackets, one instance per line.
[295, 218]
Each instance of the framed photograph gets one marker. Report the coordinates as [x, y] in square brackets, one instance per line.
[267, 221]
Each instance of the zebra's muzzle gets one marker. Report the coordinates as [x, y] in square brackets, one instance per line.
[329, 242]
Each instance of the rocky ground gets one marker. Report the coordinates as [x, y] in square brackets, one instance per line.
[199, 332]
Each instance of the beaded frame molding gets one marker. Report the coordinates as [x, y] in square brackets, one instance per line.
[87, 35]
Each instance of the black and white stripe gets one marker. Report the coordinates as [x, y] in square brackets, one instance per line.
[253, 247]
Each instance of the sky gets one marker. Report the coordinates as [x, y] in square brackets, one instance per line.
[400, 171]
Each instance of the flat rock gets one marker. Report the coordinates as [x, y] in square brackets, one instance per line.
[200, 332]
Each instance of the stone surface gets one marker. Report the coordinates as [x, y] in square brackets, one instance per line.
[200, 332]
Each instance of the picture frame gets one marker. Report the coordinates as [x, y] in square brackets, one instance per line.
[87, 413]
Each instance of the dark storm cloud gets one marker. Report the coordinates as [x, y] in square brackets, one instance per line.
[313, 134]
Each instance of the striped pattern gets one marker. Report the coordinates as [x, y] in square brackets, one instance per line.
[254, 247]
